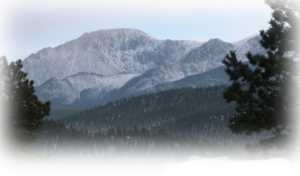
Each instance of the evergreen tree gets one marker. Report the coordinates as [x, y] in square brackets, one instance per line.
[24, 112]
[264, 95]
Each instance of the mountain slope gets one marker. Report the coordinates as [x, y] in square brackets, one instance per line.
[69, 90]
[104, 52]
[90, 67]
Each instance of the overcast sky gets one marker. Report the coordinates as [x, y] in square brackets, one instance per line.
[29, 25]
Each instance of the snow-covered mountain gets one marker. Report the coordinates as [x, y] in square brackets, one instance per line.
[96, 63]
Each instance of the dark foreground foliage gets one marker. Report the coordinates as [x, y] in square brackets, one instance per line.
[266, 96]
[23, 110]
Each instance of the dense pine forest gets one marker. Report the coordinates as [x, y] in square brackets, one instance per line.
[200, 112]
[59, 113]
[177, 122]
[123, 152]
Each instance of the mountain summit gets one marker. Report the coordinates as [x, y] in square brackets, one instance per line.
[98, 62]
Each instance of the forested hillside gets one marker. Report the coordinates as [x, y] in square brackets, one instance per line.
[123, 152]
[177, 110]
[59, 113]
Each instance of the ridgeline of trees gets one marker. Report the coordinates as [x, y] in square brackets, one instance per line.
[177, 110]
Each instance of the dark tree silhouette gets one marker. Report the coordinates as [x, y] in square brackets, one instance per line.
[264, 95]
[24, 111]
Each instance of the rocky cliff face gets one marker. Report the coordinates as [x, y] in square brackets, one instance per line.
[99, 62]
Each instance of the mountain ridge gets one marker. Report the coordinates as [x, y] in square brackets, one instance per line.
[127, 53]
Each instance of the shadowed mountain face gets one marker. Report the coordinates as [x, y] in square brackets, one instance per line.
[97, 64]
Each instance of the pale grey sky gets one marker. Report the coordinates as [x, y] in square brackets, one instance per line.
[30, 25]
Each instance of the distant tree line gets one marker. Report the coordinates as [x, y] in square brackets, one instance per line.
[55, 137]
[200, 112]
